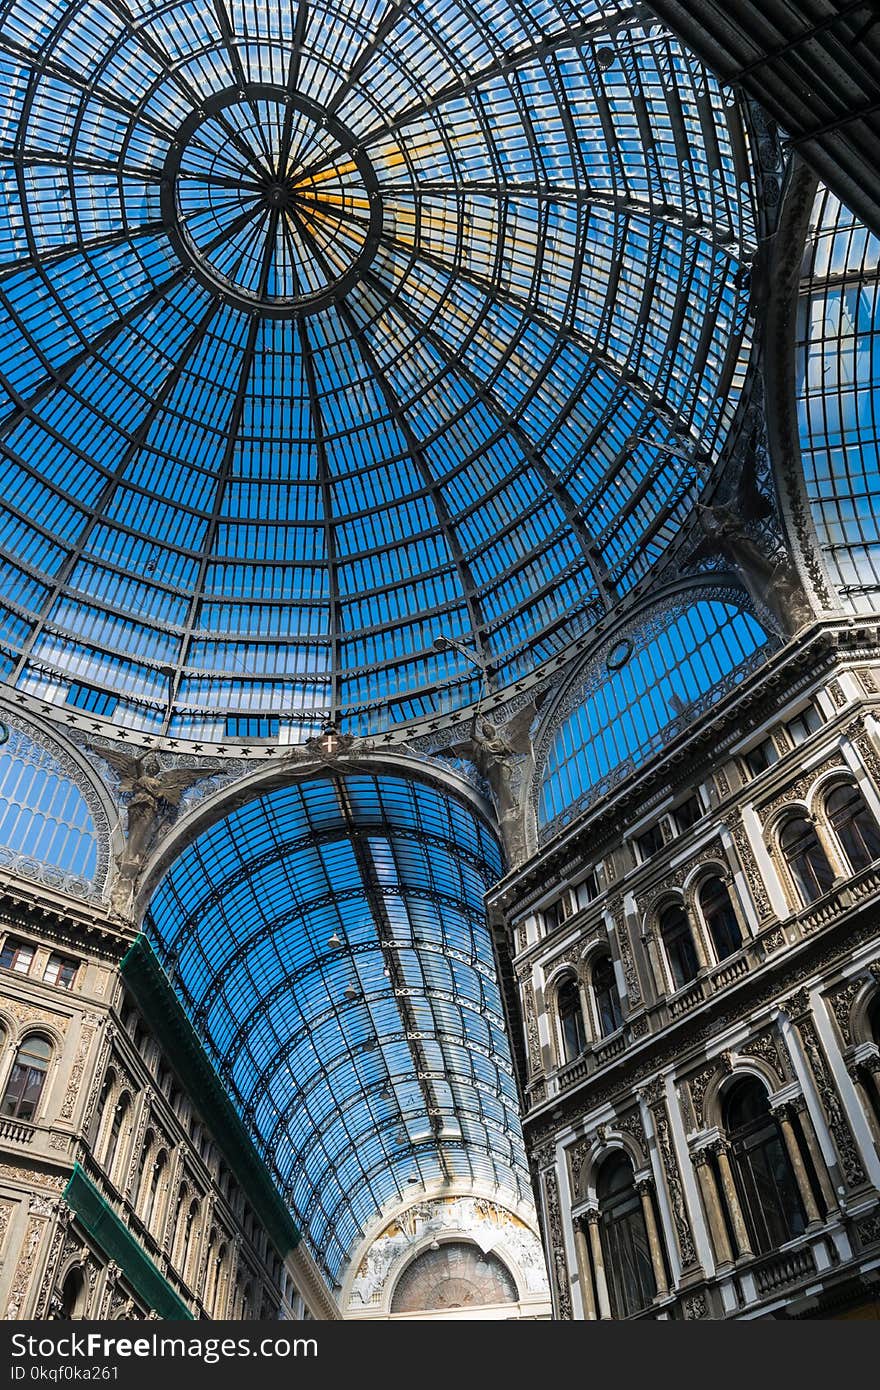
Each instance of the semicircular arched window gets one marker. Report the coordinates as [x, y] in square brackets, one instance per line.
[606, 997]
[838, 332]
[806, 859]
[762, 1168]
[682, 659]
[678, 942]
[458, 1275]
[47, 830]
[624, 1237]
[571, 1019]
[720, 918]
[854, 826]
[27, 1078]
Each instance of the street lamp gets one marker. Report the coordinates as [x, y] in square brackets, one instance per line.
[698, 458]
[445, 644]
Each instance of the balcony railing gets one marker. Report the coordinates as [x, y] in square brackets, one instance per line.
[19, 1131]
[781, 1270]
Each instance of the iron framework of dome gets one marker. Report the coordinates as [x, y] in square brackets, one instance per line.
[330, 330]
[330, 946]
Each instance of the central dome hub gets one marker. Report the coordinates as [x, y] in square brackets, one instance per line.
[279, 196]
[270, 200]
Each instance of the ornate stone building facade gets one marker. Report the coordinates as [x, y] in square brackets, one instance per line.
[126, 1189]
[698, 972]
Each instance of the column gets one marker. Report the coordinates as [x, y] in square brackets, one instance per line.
[797, 1163]
[731, 1197]
[585, 1274]
[602, 1299]
[712, 1205]
[866, 1079]
[646, 1196]
[819, 1165]
[652, 950]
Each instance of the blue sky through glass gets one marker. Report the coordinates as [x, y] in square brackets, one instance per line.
[673, 660]
[319, 1047]
[293, 382]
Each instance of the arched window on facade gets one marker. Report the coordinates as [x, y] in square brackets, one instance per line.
[154, 1184]
[765, 1179]
[625, 1249]
[27, 1078]
[104, 1117]
[607, 999]
[179, 1227]
[854, 826]
[188, 1267]
[218, 1291]
[678, 942]
[73, 1296]
[571, 1019]
[211, 1264]
[117, 1139]
[720, 918]
[874, 1018]
[806, 859]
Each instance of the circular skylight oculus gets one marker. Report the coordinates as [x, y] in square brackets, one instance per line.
[270, 200]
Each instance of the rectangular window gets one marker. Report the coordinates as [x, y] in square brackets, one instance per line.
[587, 889]
[553, 914]
[85, 697]
[804, 724]
[762, 756]
[17, 956]
[60, 971]
[649, 842]
[687, 814]
[251, 726]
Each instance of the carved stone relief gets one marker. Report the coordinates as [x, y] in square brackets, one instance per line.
[654, 1095]
[841, 1001]
[628, 965]
[756, 885]
[558, 1262]
[532, 1039]
[765, 1046]
[27, 1260]
[798, 789]
[698, 1085]
[838, 1125]
[26, 1013]
[90, 1023]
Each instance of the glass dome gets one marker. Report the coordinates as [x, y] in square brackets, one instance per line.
[330, 946]
[330, 331]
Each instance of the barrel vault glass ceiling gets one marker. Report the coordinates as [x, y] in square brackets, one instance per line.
[328, 328]
[330, 946]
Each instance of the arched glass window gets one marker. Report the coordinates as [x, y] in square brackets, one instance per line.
[806, 858]
[675, 931]
[854, 826]
[191, 1239]
[874, 1018]
[154, 1179]
[180, 1228]
[627, 1256]
[571, 1019]
[218, 1286]
[720, 918]
[27, 1078]
[73, 1296]
[605, 994]
[120, 1127]
[211, 1264]
[765, 1180]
